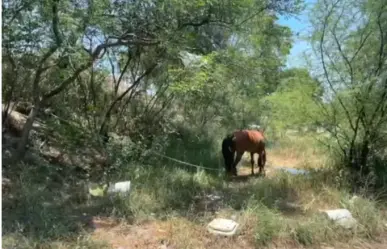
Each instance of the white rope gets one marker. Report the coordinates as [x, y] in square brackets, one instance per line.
[182, 162]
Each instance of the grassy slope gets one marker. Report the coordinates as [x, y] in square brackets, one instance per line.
[169, 204]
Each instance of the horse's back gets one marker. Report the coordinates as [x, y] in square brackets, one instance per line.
[249, 140]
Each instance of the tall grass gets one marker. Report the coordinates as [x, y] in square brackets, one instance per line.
[44, 209]
[299, 150]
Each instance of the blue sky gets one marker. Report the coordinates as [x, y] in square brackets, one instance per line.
[299, 24]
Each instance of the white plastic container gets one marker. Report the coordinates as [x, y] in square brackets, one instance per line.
[119, 187]
[222, 227]
[342, 217]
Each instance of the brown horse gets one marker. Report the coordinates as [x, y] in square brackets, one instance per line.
[240, 141]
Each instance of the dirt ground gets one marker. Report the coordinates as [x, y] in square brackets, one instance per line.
[176, 233]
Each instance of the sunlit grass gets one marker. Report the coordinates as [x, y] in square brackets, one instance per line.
[169, 202]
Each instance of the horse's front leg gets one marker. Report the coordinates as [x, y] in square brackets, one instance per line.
[237, 160]
[252, 163]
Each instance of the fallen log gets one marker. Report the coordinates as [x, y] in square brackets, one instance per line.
[15, 122]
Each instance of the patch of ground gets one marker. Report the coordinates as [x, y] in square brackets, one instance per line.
[288, 160]
[182, 233]
[172, 233]
[123, 236]
[188, 230]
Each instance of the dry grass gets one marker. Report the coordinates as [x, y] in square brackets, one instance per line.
[252, 203]
[170, 208]
[299, 152]
[175, 232]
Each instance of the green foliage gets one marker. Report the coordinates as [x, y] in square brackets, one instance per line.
[352, 51]
[269, 225]
[116, 68]
[295, 103]
[224, 90]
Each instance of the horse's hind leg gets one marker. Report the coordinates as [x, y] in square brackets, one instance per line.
[252, 163]
[237, 160]
[261, 162]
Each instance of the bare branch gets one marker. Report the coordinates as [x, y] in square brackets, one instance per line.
[113, 68]
[362, 43]
[347, 62]
[325, 68]
[258, 12]
[66, 82]
[122, 73]
[122, 95]
[51, 51]
[94, 56]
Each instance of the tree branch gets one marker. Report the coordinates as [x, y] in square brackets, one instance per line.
[51, 51]
[122, 73]
[267, 6]
[94, 56]
[55, 23]
[382, 44]
[325, 68]
[122, 95]
[66, 82]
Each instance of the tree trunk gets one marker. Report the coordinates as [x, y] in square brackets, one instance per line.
[21, 148]
[104, 130]
[364, 159]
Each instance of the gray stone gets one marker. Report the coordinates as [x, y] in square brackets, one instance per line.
[342, 217]
[223, 227]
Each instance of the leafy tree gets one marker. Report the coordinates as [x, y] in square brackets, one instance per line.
[296, 102]
[132, 47]
[350, 41]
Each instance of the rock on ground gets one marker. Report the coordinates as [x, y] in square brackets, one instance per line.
[223, 227]
[342, 217]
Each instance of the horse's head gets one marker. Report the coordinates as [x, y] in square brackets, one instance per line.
[228, 152]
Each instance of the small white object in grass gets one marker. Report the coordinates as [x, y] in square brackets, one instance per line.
[342, 216]
[214, 197]
[353, 199]
[223, 227]
[347, 223]
[337, 214]
[120, 187]
[292, 171]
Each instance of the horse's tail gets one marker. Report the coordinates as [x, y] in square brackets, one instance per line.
[228, 151]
